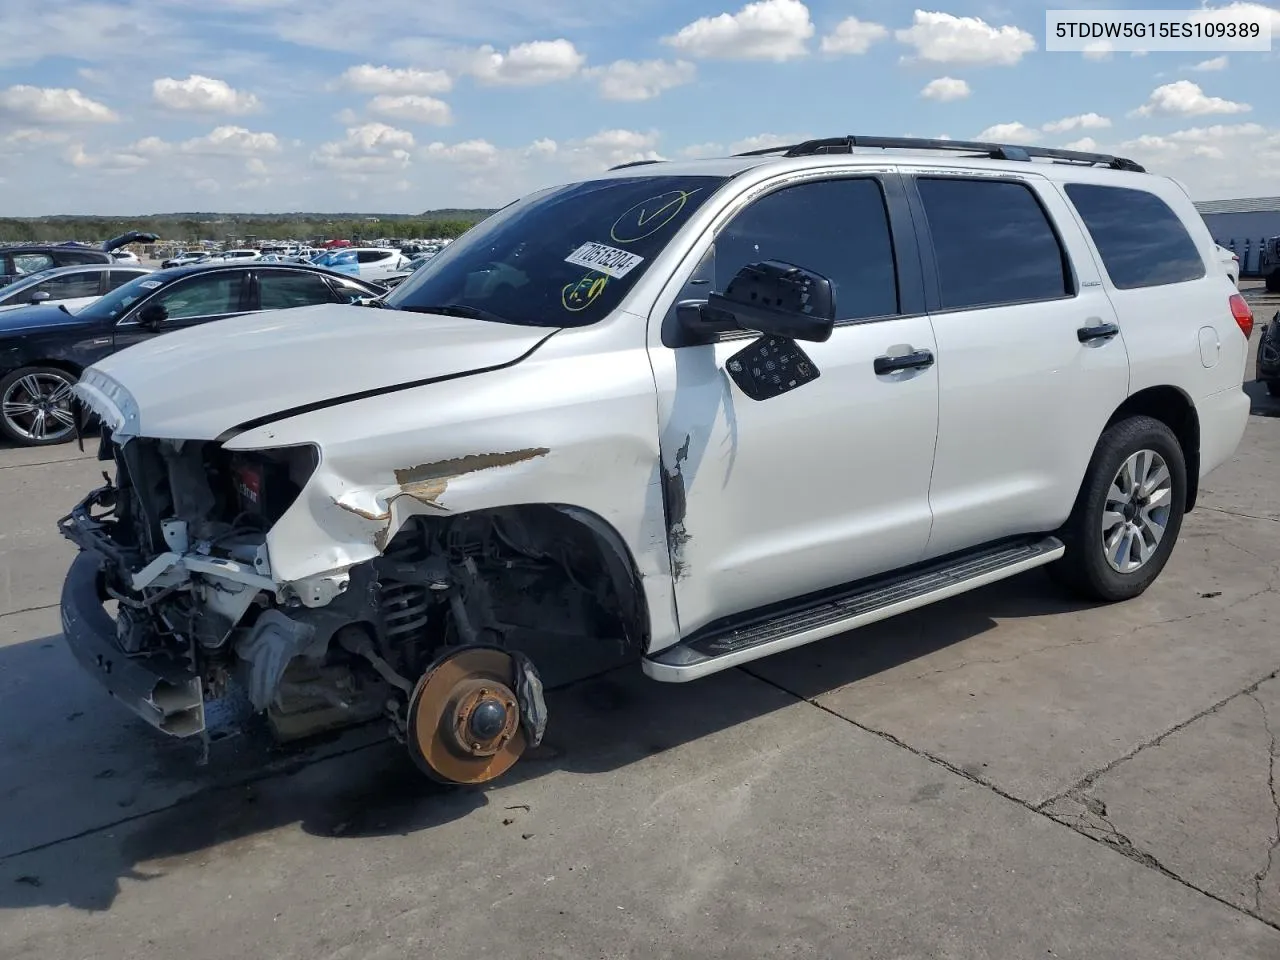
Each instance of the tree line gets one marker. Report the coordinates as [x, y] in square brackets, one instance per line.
[216, 227]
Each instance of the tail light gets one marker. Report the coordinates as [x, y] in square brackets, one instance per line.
[1244, 316]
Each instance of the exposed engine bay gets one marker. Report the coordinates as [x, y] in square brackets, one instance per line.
[439, 634]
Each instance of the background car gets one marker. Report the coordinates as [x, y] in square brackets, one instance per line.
[185, 258]
[368, 263]
[43, 348]
[19, 262]
[1267, 365]
[1230, 261]
[71, 288]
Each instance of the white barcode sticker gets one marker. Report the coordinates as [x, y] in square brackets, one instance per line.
[607, 260]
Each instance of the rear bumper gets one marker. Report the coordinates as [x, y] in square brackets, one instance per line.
[160, 690]
[1223, 418]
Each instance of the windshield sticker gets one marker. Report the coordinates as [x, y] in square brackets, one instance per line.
[578, 296]
[649, 216]
[151, 284]
[607, 260]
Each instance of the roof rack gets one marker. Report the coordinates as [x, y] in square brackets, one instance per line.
[995, 151]
[634, 163]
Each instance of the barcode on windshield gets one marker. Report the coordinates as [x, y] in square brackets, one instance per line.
[607, 260]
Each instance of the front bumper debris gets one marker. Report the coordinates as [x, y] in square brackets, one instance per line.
[161, 690]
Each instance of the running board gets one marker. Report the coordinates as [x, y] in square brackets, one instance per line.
[857, 606]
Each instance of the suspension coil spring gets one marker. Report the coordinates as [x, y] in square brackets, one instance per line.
[403, 606]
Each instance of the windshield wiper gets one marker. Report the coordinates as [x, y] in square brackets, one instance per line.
[459, 310]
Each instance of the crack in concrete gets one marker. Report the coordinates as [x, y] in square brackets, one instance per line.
[1261, 876]
[1116, 841]
[14, 613]
[1242, 516]
[1090, 779]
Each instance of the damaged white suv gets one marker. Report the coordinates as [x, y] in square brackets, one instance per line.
[689, 414]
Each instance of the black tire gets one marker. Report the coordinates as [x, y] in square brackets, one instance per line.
[1273, 387]
[1273, 282]
[16, 428]
[1084, 568]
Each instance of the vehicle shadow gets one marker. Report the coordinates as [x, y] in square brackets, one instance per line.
[369, 788]
[1261, 403]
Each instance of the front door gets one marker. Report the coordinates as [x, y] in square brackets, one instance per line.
[1026, 390]
[192, 300]
[828, 483]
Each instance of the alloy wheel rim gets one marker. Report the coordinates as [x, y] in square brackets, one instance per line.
[37, 406]
[1136, 513]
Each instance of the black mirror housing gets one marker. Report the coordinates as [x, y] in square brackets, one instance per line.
[153, 315]
[781, 300]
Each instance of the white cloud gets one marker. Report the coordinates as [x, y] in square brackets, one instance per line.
[120, 162]
[33, 136]
[232, 141]
[473, 153]
[1213, 64]
[199, 94]
[1237, 11]
[853, 36]
[1085, 121]
[944, 38]
[643, 80]
[1186, 99]
[697, 151]
[1085, 144]
[763, 141]
[1008, 133]
[766, 30]
[526, 64]
[370, 79]
[413, 108]
[52, 105]
[945, 89]
[1097, 50]
[367, 149]
[608, 148]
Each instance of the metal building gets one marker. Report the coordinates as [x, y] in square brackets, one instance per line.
[1243, 226]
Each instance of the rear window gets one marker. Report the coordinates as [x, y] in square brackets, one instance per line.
[1142, 241]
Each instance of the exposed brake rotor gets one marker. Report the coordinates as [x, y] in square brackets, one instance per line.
[464, 716]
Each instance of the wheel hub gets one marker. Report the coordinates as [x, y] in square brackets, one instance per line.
[464, 717]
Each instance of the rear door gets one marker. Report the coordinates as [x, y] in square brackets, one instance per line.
[200, 298]
[1031, 363]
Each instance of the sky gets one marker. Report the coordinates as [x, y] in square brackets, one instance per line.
[400, 106]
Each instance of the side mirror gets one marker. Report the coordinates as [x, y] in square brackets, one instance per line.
[781, 300]
[153, 315]
[40, 296]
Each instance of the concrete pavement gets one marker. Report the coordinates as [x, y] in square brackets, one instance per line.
[1008, 774]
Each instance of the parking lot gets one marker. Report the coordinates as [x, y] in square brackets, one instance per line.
[1004, 775]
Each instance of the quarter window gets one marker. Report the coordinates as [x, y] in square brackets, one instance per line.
[1141, 240]
[993, 243]
[281, 289]
[838, 228]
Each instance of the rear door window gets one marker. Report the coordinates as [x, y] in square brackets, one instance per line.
[72, 285]
[29, 263]
[1142, 242]
[993, 244]
[282, 289]
[206, 295]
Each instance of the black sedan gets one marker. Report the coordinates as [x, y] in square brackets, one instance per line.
[43, 349]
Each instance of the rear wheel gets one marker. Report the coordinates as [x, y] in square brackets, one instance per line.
[36, 408]
[1273, 282]
[1128, 512]
[1273, 387]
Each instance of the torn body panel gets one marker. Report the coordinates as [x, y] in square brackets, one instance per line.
[321, 576]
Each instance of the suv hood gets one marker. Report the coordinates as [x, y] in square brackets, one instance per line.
[203, 382]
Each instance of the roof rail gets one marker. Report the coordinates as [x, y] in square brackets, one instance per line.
[634, 163]
[996, 151]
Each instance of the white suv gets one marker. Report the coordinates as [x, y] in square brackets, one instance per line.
[689, 413]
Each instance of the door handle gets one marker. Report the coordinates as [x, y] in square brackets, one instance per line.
[1102, 331]
[916, 360]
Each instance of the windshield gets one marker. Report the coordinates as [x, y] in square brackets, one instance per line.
[563, 258]
[115, 303]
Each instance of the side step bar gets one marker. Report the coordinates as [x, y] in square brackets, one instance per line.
[857, 606]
